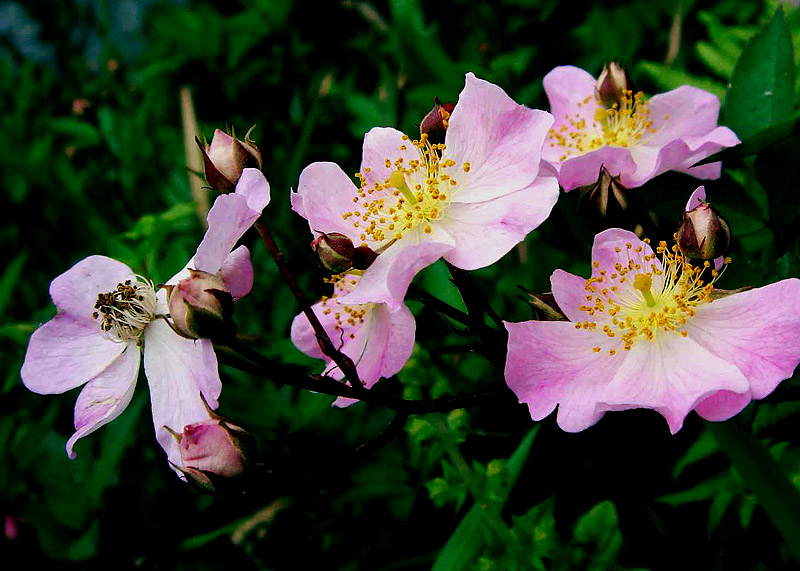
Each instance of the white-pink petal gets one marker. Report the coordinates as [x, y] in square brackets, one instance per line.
[326, 193]
[237, 272]
[106, 396]
[75, 291]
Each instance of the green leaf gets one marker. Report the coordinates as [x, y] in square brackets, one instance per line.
[765, 477]
[778, 170]
[761, 91]
[467, 541]
[755, 143]
[10, 279]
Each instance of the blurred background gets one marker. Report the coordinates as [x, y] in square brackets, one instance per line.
[93, 160]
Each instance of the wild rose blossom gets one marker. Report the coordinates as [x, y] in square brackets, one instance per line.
[469, 200]
[108, 317]
[637, 140]
[646, 332]
[378, 340]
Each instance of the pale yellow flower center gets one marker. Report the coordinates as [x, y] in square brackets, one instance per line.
[126, 311]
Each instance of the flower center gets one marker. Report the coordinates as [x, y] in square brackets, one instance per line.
[415, 193]
[626, 124]
[646, 296]
[126, 311]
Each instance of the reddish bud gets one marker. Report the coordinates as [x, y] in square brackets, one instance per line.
[612, 84]
[363, 257]
[335, 251]
[225, 159]
[704, 234]
[434, 125]
[211, 451]
[200, 306]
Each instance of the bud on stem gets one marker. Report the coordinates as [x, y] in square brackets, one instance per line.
[704, 234]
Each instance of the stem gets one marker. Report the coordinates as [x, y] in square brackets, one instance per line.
[327, 347]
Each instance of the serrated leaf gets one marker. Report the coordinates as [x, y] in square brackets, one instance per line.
[761, 91]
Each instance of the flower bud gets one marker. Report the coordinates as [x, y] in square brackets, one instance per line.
[612, 85]
[434, 125]
[335, 251]
[200, 306]
[211, 451]
[607, 195]
[225, 159]
[704, 234]
[363, 257]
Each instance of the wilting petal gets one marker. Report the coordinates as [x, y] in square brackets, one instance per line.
[75, 291]
[178, 371]
[326, 193]
[484, 232]
[230, 217]
[757, 330]
[388, 278]
[500, 139]
[237, 271]
[66, 352]
[106, 396]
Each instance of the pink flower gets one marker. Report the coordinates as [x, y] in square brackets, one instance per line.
[108, 316]
[470, 200]
[210, 450]
[378, 340]
[636, 141]
[645, 332]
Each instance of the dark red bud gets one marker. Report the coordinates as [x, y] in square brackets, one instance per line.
[612, 84]
[704, 234]
[363, 257]
[434, 125]
[335, 251]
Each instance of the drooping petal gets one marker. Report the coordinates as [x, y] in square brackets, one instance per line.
[75, 291]
[66, 352]
[500, 139]
[551, 363]
[178, 372]
[388, 278]
[106, 396]
[237, 271]
[326, 193]
[230, 217]
[723, 405]
[671, 375]
[484, 232]
[757, 330]
[383, 148]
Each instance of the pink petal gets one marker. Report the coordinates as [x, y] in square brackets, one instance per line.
[486, 231]
[75, 291]
[237, 271]
[683, 112]
[228, 220]
[551, 363]
[582, 170]
[387, 279]
[221, 154]
[567, 87]
[66, 352]
[327, 193]
[697, 197]
[302, 334]
[106, 396]
[178, 371]
[756, 330]
[568, 289]
[382, 144]
[671, 375]
[723, 405]
[500, 139]
[255, 188]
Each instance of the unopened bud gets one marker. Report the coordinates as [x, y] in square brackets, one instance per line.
[607, 195]
[225, 159]
[434, 125]
[335, 251]
[612, 85]
[212, 451]
[201, 306]
[704, 234]
[363, 257]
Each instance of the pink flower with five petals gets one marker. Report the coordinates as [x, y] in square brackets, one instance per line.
[636, 141]
[644, 331]
[108, 317]
[469, 200]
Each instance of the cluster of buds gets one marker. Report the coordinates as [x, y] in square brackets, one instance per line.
[226, 157]
[337, 253]
[201, 307]
[212, 452]
[612, 84]
[434, 125]
[704, 234]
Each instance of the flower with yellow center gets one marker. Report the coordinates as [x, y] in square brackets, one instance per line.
[646, 330]
[469, 199]
[636, 138]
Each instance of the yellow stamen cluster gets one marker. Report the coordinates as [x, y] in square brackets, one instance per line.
[126, 311]
[345, 316]
[645, 296]
[626, 124]
[415, 193]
